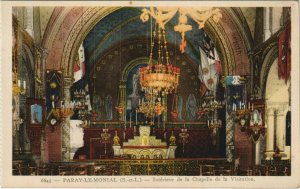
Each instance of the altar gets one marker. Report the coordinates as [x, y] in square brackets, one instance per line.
[145, 146]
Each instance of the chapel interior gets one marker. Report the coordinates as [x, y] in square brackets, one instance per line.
[151, 91]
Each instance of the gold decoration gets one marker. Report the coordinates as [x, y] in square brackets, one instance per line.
[162, 15]
[161, 76]
[152, 107]
[116, 139]
[172, 139]
[62, 113]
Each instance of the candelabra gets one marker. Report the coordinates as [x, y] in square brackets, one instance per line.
[214, 124]
[184, 137]
[105, 138]
[151, 107]
[65, 110]
[18, 87]
[79, 99]
[80, 104]
[209, 103]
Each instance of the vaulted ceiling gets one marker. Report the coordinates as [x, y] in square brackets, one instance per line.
[102, 28]
[125, 24]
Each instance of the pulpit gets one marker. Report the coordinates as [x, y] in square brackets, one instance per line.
[145, 146]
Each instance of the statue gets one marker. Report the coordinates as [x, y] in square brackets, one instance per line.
[179, 108]
[172, 139]
[191, 107]
[134, 96]
[108, 107]
[135, 84]
[116, 139]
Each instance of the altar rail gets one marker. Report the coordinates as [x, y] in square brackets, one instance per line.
[184, 166]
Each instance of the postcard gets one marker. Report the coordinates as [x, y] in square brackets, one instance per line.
[134, 94]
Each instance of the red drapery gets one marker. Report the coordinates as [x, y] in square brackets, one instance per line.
[284, 53]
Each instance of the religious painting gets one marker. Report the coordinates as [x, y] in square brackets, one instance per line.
[35, 112]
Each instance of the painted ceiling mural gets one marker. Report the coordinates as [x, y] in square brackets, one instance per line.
[125, 24]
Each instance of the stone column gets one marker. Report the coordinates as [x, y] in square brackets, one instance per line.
[229, 138]
[68, 81]
[270, 133]
[280, 134]
[257, 152]
[29, 20]
[15, 126]
[267, 29]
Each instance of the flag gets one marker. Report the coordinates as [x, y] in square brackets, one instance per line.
[207, 72]
[218, 65]
[79, 66]
[235, 80]
[284, 53]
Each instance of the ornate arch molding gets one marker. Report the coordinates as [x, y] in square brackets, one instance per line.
[269, 57]
[242, 26]
[92, 16]
[89, 18]
[57, 17]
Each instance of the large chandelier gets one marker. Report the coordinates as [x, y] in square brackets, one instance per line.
[162, 15]
[159, 77]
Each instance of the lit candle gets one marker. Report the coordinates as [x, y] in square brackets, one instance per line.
[19, 83]
[136, 117]
[125, 119]
[130, 119]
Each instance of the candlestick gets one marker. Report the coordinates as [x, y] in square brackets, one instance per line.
[136, 117]
[19, 83]
[130, 119]
[24, 84]
[125, 119]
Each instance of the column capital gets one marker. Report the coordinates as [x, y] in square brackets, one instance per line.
[68, 82]
[270, 111]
